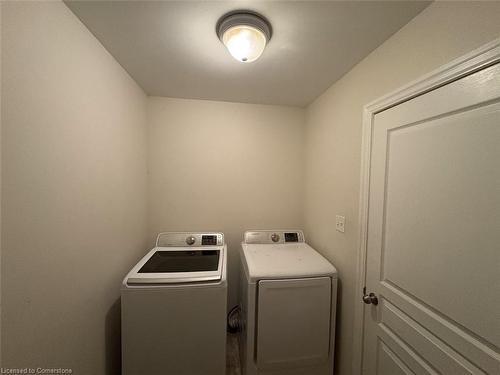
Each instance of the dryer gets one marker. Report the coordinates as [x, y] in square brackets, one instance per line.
[174, 307]
[288, 300]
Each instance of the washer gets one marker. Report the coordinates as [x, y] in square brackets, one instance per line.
[288, 305]
[174, 307]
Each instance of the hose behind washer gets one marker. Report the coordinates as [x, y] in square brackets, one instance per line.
[234, 320]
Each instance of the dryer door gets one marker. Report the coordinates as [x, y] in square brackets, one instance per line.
[293, 322]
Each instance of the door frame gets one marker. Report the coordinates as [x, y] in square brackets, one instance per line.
[476, 60]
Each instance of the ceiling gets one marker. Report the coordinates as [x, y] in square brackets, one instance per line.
[171, 49]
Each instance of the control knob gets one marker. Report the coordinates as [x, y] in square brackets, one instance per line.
[190, 240]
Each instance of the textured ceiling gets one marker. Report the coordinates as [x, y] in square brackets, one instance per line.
[171, 49]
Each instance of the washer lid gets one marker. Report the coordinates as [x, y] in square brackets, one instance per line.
[284, 261]
[168, 265]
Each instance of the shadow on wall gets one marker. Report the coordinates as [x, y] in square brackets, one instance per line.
[113, 339]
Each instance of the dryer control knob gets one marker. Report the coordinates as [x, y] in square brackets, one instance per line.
[190, 240]
[275, 237]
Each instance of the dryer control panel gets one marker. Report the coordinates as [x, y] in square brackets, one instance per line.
[184, 239]
[273, 236]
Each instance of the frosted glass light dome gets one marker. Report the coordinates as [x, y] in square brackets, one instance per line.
[244, 43]
[245, 34]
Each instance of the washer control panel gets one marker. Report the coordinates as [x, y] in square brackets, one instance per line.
[273, 236]
[185, 239]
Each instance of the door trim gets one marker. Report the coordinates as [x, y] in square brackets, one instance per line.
[472, 62]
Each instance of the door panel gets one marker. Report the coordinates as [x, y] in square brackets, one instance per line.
[293, 322]
[445, 359]
[389, 363]
[410, 357]
[477, 351]
[433, 233]
[438, 170]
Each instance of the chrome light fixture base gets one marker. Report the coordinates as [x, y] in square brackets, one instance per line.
[244, 18]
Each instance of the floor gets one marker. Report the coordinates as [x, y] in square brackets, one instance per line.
[233, 355]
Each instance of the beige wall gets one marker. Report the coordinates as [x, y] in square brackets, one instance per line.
[225, 167]
[440, 33]
[74, 190]
[74, 160]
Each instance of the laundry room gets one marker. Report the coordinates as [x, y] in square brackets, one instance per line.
[249, 187]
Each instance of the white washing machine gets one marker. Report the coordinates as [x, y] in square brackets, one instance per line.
[174, 308]
[288, 305]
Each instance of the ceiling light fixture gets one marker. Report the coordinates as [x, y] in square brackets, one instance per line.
[244, 33]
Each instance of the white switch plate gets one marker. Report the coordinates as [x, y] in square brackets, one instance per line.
[340, 223]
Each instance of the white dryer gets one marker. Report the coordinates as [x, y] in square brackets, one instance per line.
[174, 308]
[288, 305]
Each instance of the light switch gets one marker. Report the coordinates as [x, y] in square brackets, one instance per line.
[340, 223]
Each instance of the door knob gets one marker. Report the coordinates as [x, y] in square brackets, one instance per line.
[369, 299]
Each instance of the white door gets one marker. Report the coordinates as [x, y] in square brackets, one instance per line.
[433, 255]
